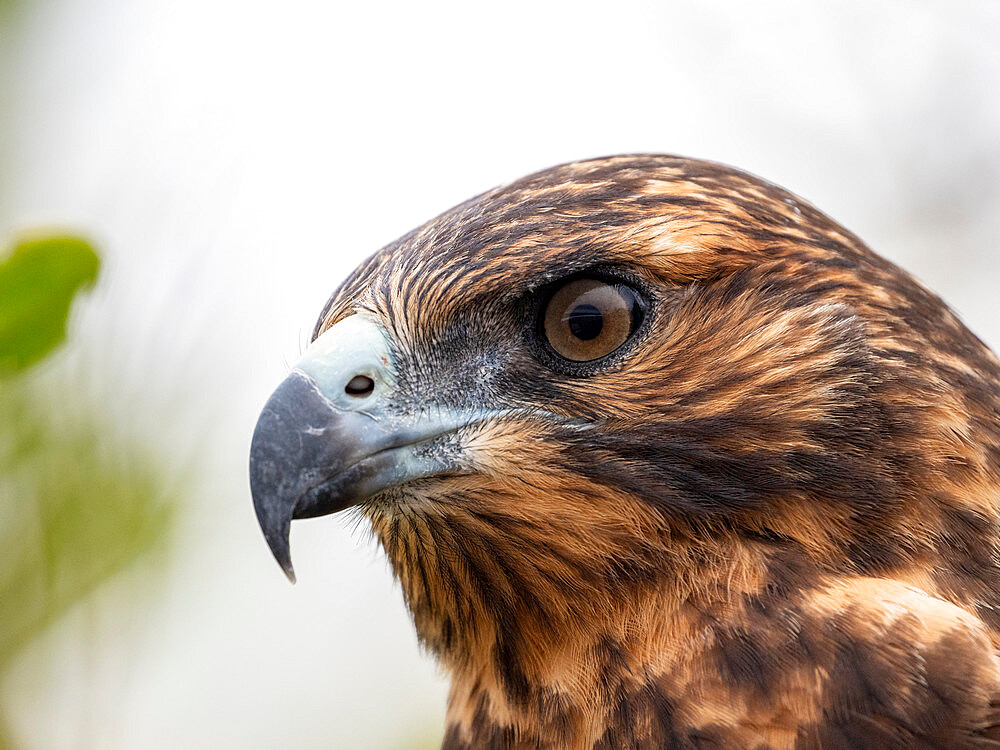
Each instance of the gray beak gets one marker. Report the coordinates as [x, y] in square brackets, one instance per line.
[329, 436]
[299, 460]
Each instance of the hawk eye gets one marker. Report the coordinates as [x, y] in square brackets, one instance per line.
[586, 319]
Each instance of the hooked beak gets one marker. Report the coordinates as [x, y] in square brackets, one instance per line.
[329, 437]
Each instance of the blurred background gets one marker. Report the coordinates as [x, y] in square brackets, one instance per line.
[230, 162]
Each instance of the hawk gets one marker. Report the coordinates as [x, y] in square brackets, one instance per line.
[662, 457]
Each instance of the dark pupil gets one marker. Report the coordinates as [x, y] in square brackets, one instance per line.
[586, 322]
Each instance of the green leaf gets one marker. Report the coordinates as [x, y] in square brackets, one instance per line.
[38, 281]
[79, 501]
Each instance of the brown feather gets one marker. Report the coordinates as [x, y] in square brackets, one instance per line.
[772, 522]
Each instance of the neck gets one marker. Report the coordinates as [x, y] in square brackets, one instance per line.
[536, 634]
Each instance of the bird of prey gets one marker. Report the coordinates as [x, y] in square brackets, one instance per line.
[662, 457]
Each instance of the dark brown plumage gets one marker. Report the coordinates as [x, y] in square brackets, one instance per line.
[768, 519]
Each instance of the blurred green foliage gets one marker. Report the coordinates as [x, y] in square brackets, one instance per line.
[37, 284]
[78, 503]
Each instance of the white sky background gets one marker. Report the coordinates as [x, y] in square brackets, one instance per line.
[235, 160]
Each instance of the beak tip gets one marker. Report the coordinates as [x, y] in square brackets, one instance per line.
[277, 540]
[283, 556]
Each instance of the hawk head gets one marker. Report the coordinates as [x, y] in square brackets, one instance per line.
[577, 400]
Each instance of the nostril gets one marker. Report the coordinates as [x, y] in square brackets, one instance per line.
[359, 385]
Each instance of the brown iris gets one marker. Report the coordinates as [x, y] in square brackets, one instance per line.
[586, 319]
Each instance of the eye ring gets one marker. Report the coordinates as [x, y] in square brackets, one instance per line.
[586, 321]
